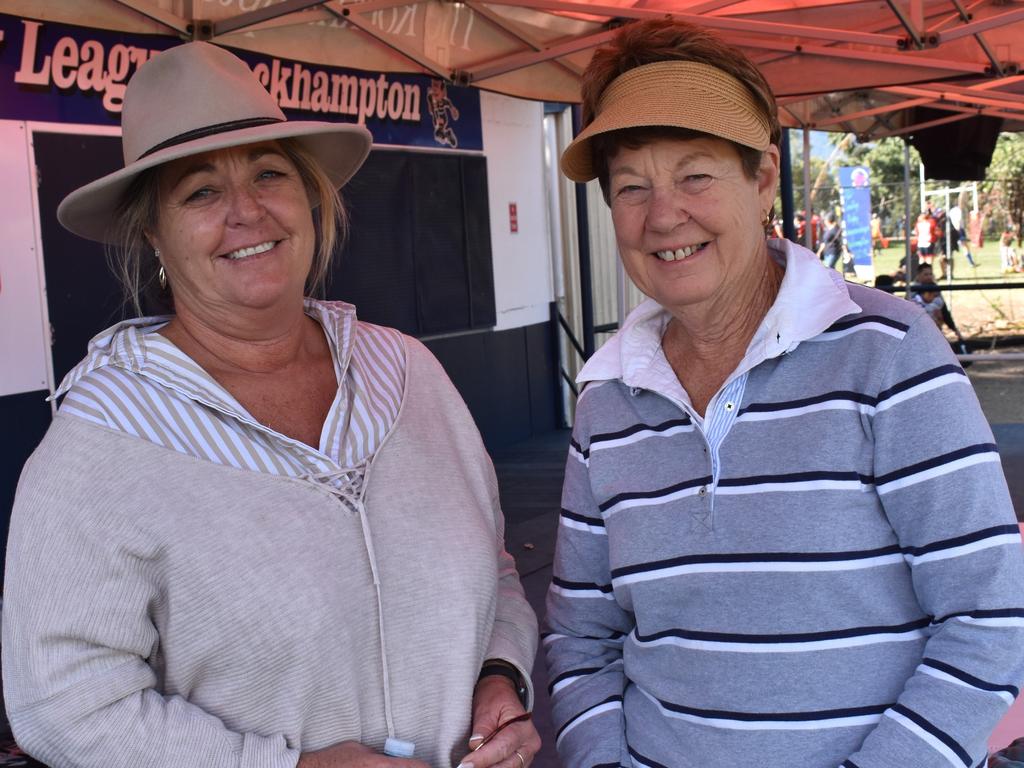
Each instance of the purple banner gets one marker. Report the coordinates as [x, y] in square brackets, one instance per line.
[68, 74]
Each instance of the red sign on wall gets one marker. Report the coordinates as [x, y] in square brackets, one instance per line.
[513, 218]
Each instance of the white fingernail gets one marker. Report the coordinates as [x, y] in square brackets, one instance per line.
[476, 737]
[464, 765]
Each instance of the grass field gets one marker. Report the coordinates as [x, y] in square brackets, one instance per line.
[989, 312]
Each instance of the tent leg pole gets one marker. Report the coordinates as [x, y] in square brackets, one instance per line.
[786, 188]
[583, 241]
[809, 233]
[907, 228]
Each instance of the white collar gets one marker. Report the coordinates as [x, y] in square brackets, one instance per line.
[811, 298]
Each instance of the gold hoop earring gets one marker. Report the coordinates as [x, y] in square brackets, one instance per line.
[766, 222]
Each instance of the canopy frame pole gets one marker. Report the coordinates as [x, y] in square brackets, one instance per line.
[909, 25]
[482, 10]
[367, 28]
[808, 207]
[265, 13]
[522, 59]
[159, 15]
[907, 229]
[786, 187]
[965, 17]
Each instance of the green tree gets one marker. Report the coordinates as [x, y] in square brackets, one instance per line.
[823, 184]
[1003, 188]
[885, 160]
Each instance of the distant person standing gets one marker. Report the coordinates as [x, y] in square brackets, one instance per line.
[831, 248]
[1007, 253]
[800, 220]
[925, 238]
[958, 234]
[942, 248]
[878, 243]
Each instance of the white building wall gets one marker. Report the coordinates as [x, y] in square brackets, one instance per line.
[513, 134]
[24, 332]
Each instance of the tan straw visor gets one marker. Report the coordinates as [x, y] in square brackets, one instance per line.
[679, 94]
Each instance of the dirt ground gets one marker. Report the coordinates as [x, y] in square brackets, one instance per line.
[990, 317]
[1000, 388]
[978, 313]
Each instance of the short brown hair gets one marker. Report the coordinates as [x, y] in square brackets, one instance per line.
[647, 42]
[131, 256]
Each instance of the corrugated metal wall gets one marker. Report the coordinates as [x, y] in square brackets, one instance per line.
[604, 256]
[614, 295]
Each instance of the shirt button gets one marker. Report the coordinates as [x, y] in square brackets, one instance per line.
[703, 491]
[729, 406]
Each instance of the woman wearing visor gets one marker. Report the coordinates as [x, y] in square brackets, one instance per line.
[758, 564]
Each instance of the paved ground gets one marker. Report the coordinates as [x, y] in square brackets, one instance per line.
[530, 478]
[1000, 388]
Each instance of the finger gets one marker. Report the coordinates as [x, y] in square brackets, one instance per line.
[520, 758]
[500, 752]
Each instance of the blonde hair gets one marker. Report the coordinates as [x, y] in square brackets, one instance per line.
[131, 257]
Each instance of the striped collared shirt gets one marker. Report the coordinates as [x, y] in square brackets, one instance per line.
[827, 591]
[137, 381]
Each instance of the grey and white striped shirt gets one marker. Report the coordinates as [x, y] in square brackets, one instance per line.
[137, 381]
[796, 578]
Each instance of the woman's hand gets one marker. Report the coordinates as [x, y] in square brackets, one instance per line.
[495, 702]
[352, 754]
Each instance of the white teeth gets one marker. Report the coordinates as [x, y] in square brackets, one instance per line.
[680, 253]
[241, 253]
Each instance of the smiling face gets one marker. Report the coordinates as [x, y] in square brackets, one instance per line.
[688, 220]
[235, 231]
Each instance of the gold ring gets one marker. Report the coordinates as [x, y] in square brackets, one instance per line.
[522, 760]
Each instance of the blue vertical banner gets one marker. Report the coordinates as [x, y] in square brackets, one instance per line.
[855, 183]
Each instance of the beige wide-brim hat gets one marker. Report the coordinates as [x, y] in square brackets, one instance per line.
[194, 98]
[674, 94]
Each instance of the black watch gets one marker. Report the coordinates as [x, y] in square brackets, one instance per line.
[506, 670]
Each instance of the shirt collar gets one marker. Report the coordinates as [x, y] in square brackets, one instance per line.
[128, 345]
[810, 299]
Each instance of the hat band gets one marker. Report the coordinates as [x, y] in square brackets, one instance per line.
[210, 130]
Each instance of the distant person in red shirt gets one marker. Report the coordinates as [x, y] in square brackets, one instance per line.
[925, 232]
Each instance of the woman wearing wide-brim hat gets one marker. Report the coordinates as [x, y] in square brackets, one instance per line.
[760, 562]
[259, 531]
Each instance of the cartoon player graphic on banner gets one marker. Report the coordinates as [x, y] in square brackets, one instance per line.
[441, 111]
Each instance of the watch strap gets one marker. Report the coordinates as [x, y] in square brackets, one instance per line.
[506, 670]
